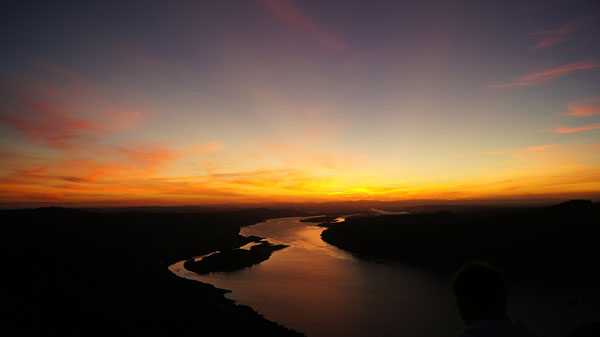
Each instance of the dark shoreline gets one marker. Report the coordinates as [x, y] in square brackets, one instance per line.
[320, 220]
[78, 272]
[526, 242]
[548, 254]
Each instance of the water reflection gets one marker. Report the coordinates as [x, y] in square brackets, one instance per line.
[320, 290]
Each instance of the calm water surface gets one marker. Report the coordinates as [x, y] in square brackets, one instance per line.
[322, 291]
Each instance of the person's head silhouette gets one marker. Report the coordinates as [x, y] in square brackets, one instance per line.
[480, 293]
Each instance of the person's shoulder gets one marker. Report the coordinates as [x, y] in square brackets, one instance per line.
[500, 328]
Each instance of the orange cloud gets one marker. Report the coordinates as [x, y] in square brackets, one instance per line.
[64, 111]
[586, 108]
[117, 164]
[552, 37]
[576, 129]
[57, 127]
[522, 151]
[549, 74]
[50, 125]
[286, 12]
[539, 148]
[150, 158]
[206, 148]
[120, 119]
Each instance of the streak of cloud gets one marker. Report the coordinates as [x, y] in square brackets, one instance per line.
[549, 74]
[134, 163]
[552, 37]
[539, 148]
[49, 125]
[587, 108]
[205, 148]
[46, 114]
[289, 14]
[577, 129]
[150, 158]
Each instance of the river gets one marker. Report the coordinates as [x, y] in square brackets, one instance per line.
[320, 290]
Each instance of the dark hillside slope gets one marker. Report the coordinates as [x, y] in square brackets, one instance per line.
[527, 241]
[83, 273]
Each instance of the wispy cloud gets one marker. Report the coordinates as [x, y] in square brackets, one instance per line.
[585, 108]
[204, 148]
[548, 74]
[150, 157]
[539, 148]
[289, 14]
[116, 164]
[577, 129]
[531, 149]
[552, 37]
[47, 114]
[49, 125]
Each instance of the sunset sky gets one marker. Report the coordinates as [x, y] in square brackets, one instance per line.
[196, 102]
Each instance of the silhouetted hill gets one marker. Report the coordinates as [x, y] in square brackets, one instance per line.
[574, 206]
[526, 241]
[89, 273]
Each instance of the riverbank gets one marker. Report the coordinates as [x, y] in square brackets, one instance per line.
[96, 273]
[526, 242]
[321, 220]
[547, 254]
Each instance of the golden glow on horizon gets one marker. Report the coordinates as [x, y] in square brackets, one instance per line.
[144, 179]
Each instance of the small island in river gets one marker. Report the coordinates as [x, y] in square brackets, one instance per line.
[233, 259]
[324, 220]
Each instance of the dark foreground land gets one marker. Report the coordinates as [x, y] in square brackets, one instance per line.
[73, 272]
[69, 272]
[554, 243]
